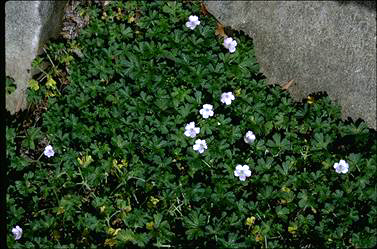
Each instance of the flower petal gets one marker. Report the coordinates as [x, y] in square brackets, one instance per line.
[193, 18]
[232, 49]
[336, 165]
[245, 168]
[239, 167]
[248, 173]
[242, 178]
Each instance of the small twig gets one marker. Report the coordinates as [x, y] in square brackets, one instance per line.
[48, 57]
[265, 241]
[130, 177]
[159, 245]
[56, 195]
[40, 156]
[133, 194]
[206, 163]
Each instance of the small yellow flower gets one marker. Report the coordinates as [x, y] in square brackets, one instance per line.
[120, 165]
[102, 209]
[60, 210]
[237, 92]
[131, 19]
[282, 201]
[285, 189]
[311, 100]
[292, 229]
[104, 16]
[51, 83]
[154, 200]
[150, 225]
[50, 94]
[115, 163]
[124, 163]
[34, 85]
[119, 15]
[110, 242]
[113, 232]
[85, 160]
[250, 221]
[152, 203]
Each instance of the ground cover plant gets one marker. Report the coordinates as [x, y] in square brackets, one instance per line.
[149, 130]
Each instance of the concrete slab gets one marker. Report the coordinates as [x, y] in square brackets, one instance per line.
[322, 45]
[28, 25]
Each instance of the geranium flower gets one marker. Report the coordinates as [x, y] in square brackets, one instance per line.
[200, 145]
[230, 44]
[341, 167]
[17, 232]
[249, 137]
[227, 98]
[206, 111]
[49, 152]
[191, 130]
[193, 22]
[242, 172]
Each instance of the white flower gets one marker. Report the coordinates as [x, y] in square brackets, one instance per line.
[49, 152]
[230, 44]
[227, 98]
[17, 232]
[242, 172]
[249, 137]
[206, 111]
[341, 167]
[193, 22]
[191, 130]
[200, 145]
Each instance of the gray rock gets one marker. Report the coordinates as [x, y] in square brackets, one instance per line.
[28, 25]
[322, 45]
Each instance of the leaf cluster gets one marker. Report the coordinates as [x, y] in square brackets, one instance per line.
[124, 174]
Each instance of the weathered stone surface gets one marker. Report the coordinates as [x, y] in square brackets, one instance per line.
[322, 45]
[28, 25]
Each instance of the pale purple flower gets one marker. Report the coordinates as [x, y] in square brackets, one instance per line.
[200, 145]
[206, 111]
[193, 22]
[230, 44]
[341, 167]
[249, 137]
[191, 130]
[17, 232]
[49, 152]
[242, 172]
[227, 98]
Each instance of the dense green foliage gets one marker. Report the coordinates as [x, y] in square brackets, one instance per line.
[124, 175]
